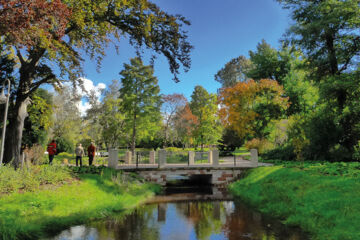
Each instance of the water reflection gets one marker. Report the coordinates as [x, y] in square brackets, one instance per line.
[185, 220]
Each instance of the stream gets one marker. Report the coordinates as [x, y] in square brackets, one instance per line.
[186, 213]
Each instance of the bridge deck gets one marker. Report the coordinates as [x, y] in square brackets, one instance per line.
[241, 165]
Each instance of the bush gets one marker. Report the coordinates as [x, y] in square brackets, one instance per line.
[64, 145]
[285, 153]
[262, 145]
[30, 179]
[87, 169]
[35, 154]
[356, 154]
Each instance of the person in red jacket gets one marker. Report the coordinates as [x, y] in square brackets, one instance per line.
[51, 150]
[91, 153]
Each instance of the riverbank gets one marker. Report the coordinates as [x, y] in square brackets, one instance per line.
[33, 215]
[322, 199]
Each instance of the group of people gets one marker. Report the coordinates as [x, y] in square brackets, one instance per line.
[79, 152]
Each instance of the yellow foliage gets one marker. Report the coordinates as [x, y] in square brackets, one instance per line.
[238, 103]
[262, 145]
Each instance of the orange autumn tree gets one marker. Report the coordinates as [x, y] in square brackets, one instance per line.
[185, 122]
[249, 106]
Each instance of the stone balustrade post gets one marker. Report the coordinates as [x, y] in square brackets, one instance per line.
[210, 157]
[128, 157]
[215, 157]
[254, 157]
[152, 157]
[113, 158]
[162, 158]
[191, 158]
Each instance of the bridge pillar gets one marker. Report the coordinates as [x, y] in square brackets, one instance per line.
[162, 158]
[254, 157]
[191, 158]
[128, 157]
[113, 158]
[152, 157]
[215, 157]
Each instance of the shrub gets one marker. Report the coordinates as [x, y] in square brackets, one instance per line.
[35, 154]
[281, 153]
[356, 154]
[10, 180]
[262, 145]
[30, 179]
[63, 145]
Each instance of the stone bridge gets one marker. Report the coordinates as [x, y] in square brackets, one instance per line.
[212, 172]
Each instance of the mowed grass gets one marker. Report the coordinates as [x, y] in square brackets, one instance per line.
[325, 205]
[33, 215]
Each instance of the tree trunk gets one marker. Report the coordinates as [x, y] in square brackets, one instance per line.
[14, 132]
[133, 137]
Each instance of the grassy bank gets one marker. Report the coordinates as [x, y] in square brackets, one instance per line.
[51, 208]
[323, 199]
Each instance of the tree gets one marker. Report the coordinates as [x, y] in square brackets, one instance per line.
[248, 107]
[171, 104]
[184, 124]
[141, 101]
[68, 125]
[268, 63]
[44, 34]
[233, 72]
[204, 106]
[327, 32]
[111, 119]
[36, 127]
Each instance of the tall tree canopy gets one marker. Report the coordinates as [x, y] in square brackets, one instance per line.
[234, 71]
[141, 101]
[327, 32]
[248, 107]
[171, 104]
[268, 63]
[44, 34]
[204, 106]
[184, 124]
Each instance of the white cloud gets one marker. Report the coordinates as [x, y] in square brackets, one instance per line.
[87, 88]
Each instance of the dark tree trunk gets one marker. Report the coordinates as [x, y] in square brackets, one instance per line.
[14, 132]
[330, 38]
[133, 137]
[18, 113]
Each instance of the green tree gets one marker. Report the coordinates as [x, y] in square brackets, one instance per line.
[204, 106]
[141, 101]
[268, 63]
[327, 32]
[46, 35]
[302, 91]
[68, 123]
[111, 119]
[233, 72]
[36, 127]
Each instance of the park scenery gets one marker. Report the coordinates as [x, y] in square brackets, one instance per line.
[158, 119]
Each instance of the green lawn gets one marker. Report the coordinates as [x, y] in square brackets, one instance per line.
[323, 199]
[32, 215]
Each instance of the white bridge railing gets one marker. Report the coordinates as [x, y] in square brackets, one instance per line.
[159, 159]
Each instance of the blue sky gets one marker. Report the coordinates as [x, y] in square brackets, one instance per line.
[219, 31]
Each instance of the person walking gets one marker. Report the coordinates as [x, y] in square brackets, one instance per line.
[91, 153]
[79, 151]
[51, 151]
